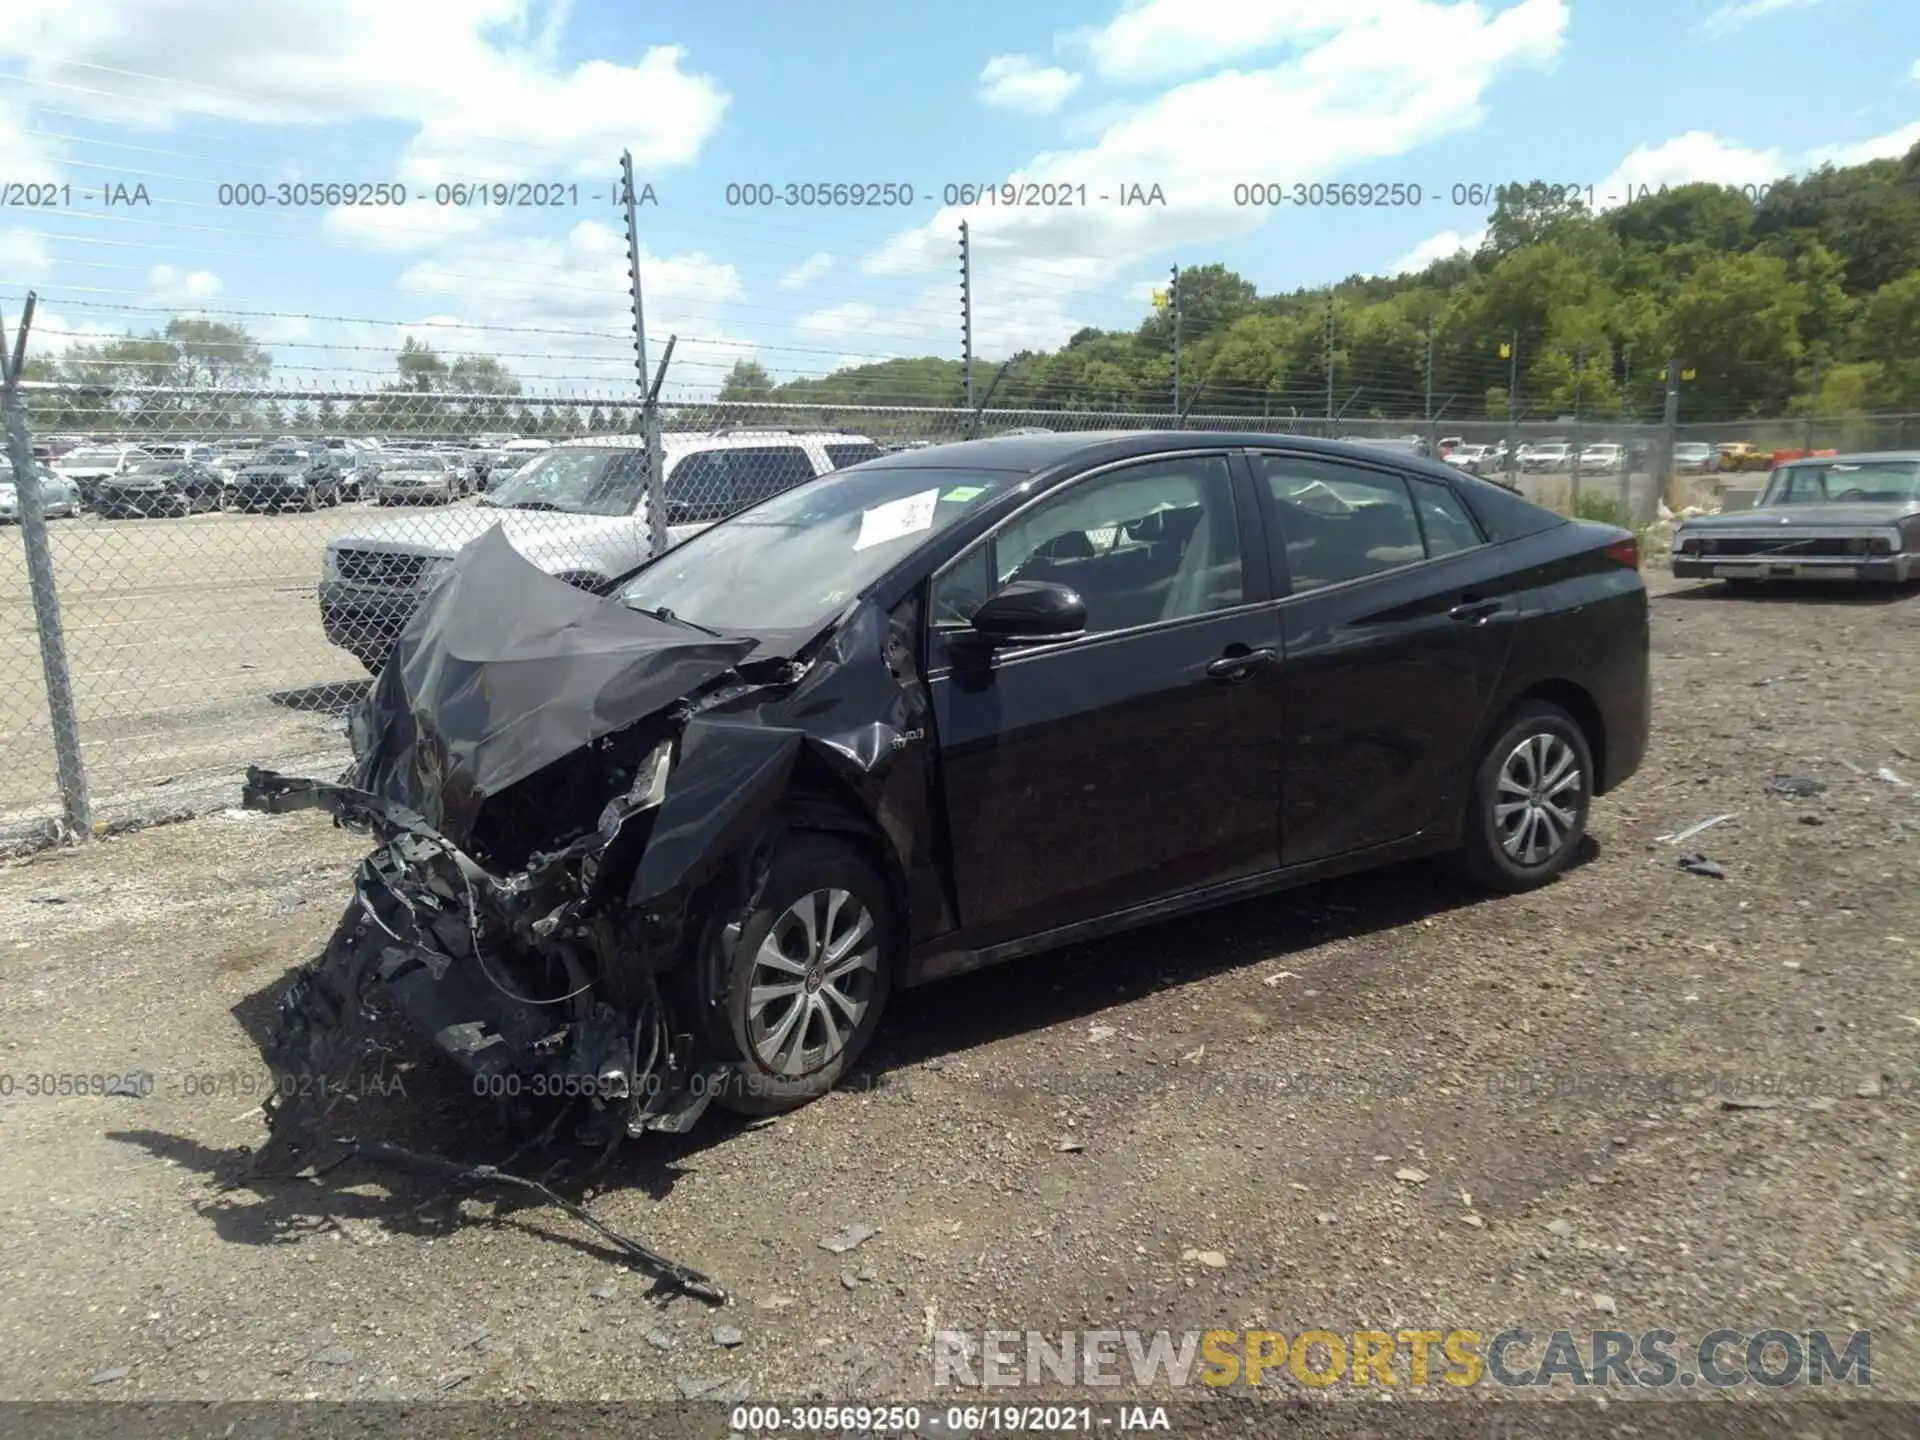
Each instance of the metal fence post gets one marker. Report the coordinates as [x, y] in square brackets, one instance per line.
[649, 409]
[1669, 433]
[966, 326]
[69, 764]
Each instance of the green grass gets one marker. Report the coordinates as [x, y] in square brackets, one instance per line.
[1607, 509]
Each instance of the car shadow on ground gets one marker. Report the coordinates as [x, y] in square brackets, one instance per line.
[336, 697]
[419, 1100]
[1799, 592]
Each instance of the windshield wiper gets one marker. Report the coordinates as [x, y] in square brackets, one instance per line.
[532, 505]
[664, 614]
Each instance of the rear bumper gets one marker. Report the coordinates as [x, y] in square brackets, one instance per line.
[1885, 569]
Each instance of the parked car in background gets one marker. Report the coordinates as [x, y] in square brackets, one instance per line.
[414, 477]
[59, 495]
[293, 475]
[1549, 455]
[163, 487]
[925, 715]
[87, 465]
[359, 470]
[1464, 455]
[1692, 457]
[1602, 456]
[1850, 517]
[577, 510]
[1738, 455]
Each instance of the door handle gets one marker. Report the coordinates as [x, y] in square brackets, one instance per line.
[1239, 667]
[1474, 611]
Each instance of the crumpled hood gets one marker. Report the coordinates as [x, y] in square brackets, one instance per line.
[503, 670]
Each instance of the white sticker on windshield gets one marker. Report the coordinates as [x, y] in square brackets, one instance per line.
[897, 518]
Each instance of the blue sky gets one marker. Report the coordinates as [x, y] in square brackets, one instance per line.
[1194, 96]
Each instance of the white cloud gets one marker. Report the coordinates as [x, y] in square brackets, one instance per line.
[24, 257]
[1891, 146]
[477, 80]
[175, 287]
[1436, 247]
[400, 227]
[557, 306]
[1916, 70]
[1698, 155]
[1158, 40]
[1368, 90]
[1015, 82]
[807, 271]
[1736, 13]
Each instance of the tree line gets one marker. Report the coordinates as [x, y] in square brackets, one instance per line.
[1806, 298]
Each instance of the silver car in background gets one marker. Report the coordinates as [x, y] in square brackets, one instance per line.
[413, 477]
[60, 496]
[1840, 517]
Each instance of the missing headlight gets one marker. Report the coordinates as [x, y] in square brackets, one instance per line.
[648, 789]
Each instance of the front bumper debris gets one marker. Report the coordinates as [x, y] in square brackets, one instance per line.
[423, 930]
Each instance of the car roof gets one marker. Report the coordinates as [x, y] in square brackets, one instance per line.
[708, 440]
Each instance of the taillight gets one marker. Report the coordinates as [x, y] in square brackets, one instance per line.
[1626, 552]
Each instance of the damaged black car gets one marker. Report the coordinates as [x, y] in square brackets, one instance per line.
[678, 843]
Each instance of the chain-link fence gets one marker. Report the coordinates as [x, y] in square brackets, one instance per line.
[231, 564]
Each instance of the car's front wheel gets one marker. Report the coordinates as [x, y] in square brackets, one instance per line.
[1531, 793]
[801, 993]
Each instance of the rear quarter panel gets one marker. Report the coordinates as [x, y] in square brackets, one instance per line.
[1586, 624]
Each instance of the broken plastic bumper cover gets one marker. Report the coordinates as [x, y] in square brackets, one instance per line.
[419, 902]
[423, 920]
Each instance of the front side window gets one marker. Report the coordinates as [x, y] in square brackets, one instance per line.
[1143, 545]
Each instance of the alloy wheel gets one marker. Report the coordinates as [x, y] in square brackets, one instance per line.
[1537, 800]
[812, 982]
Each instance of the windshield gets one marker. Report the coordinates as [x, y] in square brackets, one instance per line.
[576, 482]
[158, 467]
[282, 457]
[1875, 482]
[790, 562]
[92, 455]
[403, 464]
[1690, 450]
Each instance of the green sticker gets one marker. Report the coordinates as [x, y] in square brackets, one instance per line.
[960, 494]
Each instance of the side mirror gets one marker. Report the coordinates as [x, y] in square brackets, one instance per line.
[1030, 610]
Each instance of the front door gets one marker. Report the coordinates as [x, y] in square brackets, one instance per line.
[1140, 761]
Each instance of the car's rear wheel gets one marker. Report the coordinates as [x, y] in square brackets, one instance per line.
[809, 974]
[1527, 812]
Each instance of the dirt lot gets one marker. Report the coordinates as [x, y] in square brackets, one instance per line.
[1707, 1088]
[195, 646]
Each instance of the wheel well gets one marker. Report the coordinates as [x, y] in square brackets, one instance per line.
[1579, 704]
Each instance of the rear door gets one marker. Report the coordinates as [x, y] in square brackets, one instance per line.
[1141, 760]
[1396, 625]
[759, 472]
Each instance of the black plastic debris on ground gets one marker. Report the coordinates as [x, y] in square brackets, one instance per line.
[1797, 785]
[1697, 864]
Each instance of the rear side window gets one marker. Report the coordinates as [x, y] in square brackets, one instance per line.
[851, 453]
[1340, 522]
[766, 470]
[1444, 521]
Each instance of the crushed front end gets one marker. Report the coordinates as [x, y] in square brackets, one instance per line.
[532, 981]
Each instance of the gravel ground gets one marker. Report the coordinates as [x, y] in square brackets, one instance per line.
[1640, 1098]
